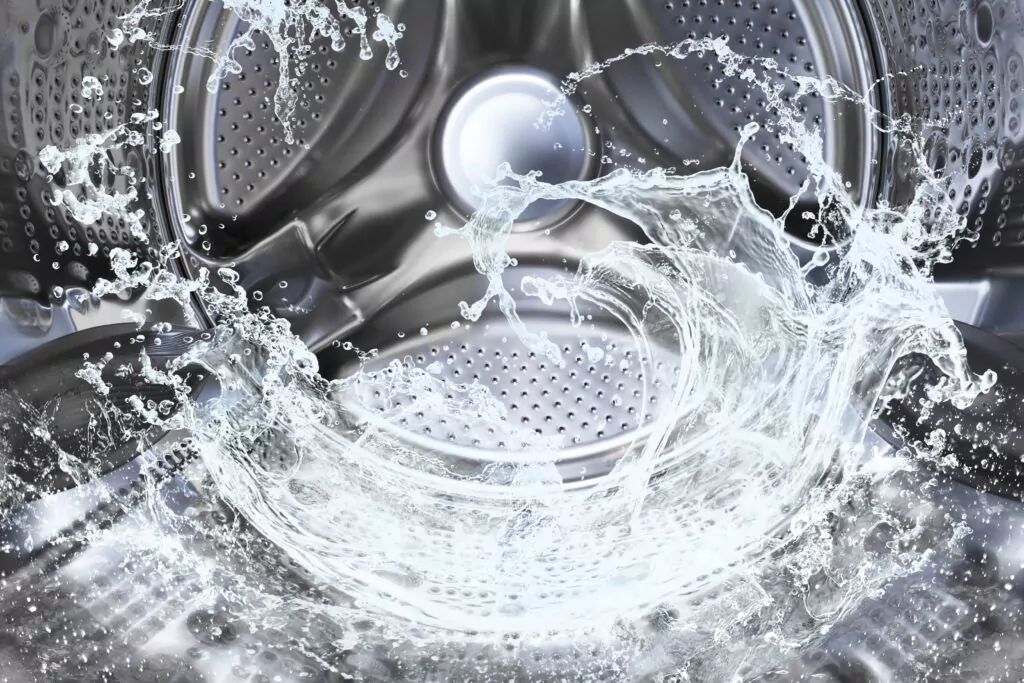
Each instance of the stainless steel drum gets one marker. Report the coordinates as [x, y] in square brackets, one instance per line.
[334, 231]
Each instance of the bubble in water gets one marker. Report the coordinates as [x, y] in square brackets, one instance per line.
[145, 76]
[115, 38]
[594, 354]
[168, 140]
[430, 215]
[91, 87]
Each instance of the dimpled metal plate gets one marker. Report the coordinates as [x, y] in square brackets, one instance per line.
[599, 392]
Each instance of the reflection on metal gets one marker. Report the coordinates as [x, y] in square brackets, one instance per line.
[967, 300]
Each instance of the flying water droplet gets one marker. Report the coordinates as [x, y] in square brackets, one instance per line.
[168, 140]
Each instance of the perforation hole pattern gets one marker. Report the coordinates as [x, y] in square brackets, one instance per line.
[757, 28]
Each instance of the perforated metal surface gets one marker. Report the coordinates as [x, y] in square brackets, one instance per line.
[689, 110]
[763, 29]
[952, 60]
[51, 47]
[235, 173]
[600, 392]
[960, 65]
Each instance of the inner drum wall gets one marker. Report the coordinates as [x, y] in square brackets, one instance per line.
[956, 61]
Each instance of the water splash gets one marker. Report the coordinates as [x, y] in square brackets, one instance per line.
[701, 549]
[90, 173]
[290, 28]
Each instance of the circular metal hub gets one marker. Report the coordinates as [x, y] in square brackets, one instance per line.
[497, 120]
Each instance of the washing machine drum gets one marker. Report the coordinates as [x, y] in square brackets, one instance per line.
[245, 134]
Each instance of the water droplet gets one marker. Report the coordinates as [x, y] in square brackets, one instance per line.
[91, 87]
[115, 38]
[424, 332]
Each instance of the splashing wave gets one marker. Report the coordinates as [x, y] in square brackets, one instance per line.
[720, 512]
